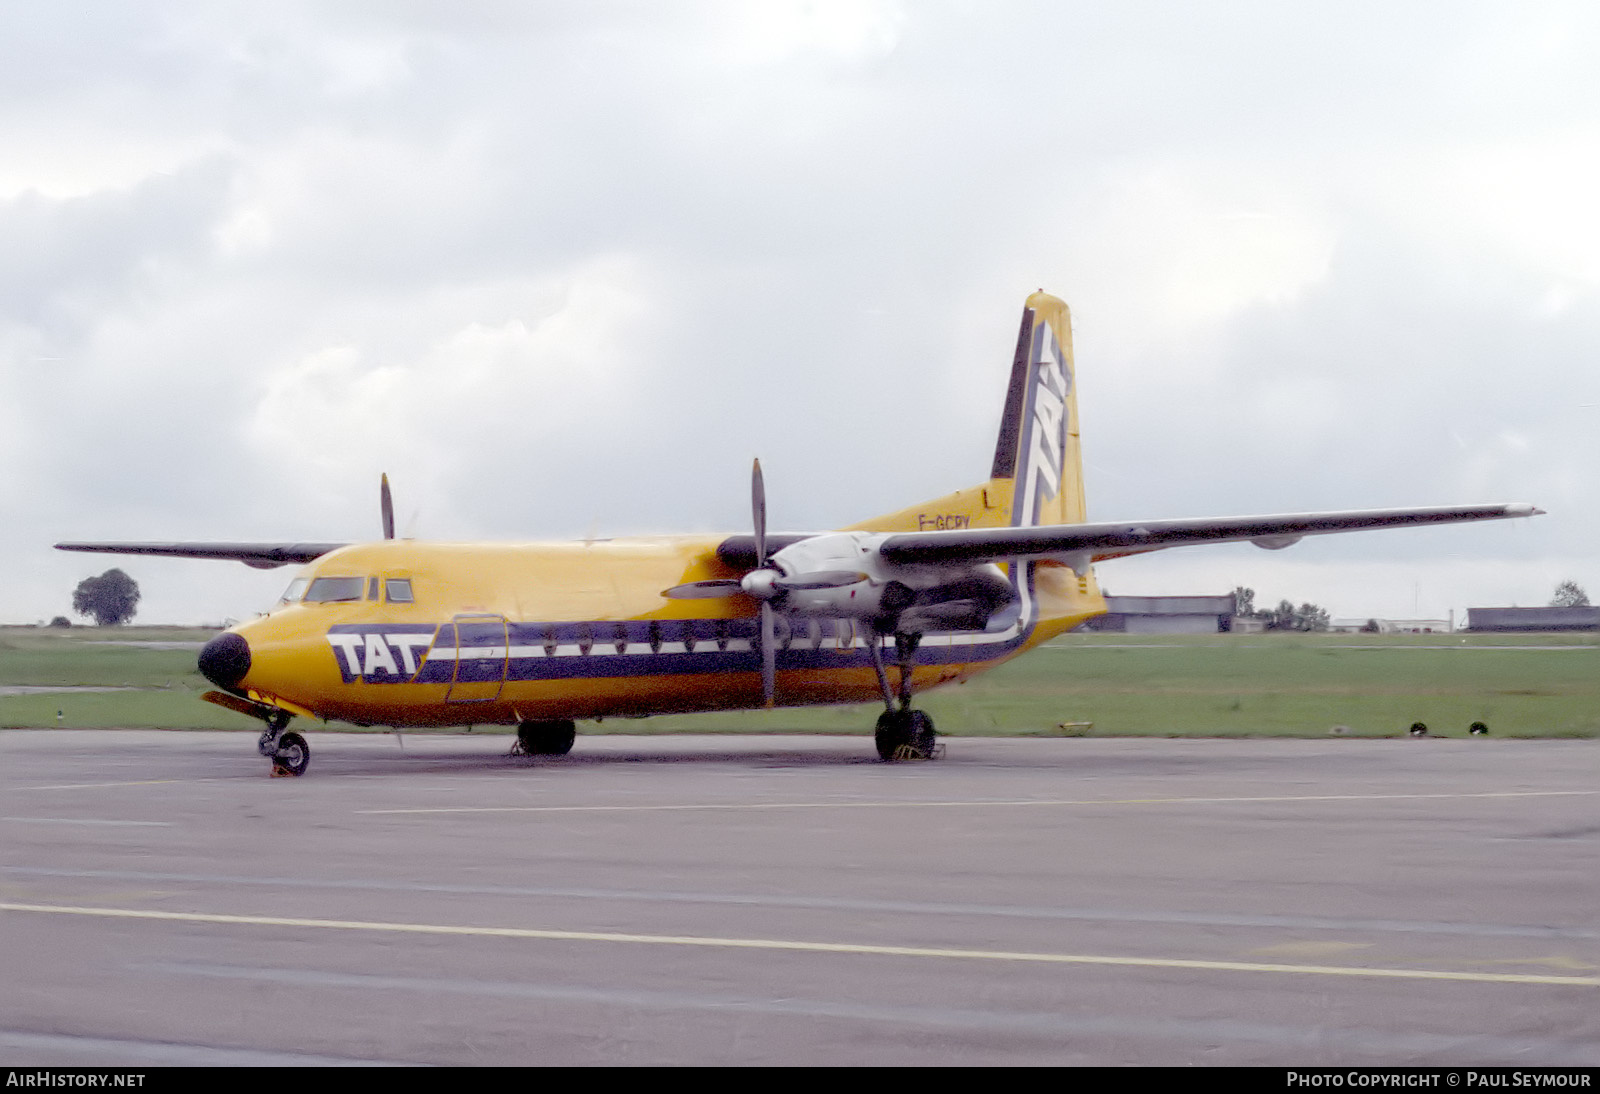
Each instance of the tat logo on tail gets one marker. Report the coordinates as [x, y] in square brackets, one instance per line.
[1050, 382]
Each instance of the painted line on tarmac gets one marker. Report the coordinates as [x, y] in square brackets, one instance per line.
[995, 1018]
[89, 820]
[134, 782]
[791, 945]
[974, 804]
[123, 1053]
[818, 902]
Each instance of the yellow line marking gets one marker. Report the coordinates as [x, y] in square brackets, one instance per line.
[135, 782]
[976, 804]
[804, 947]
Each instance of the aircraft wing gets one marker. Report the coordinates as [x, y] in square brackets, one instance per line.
[1080, 544]
[261, 556]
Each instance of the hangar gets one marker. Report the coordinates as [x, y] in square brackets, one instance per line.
[1533, 619]
[1164, 615]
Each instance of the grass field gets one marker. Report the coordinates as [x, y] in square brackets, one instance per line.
[1124, 685]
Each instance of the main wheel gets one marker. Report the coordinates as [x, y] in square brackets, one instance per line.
[904, 735]
[293, 755]
[892, 733]
[547, 738]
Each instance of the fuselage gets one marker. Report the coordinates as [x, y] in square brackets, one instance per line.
[403, 633]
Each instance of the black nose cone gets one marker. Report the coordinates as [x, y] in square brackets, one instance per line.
[225, 659]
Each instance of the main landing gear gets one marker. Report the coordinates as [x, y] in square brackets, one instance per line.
[289, 753]
[903, 733]
[544, 738]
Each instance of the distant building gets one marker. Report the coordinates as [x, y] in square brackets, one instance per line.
[1392, 626]
[1414, 626]
[1533, 619]
[1164, 615]
[1344, 626]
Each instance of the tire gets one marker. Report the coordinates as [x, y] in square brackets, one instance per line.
[547, 738]
[893, 732]
[293, 755]
[904, 735]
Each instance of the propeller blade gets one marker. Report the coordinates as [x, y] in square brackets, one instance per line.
[386, 506]
[769, 657]
[705, 590]
[820, 579]
[758, 506]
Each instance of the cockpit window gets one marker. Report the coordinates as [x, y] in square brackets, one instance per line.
[372, 589]
[295, 591]
[398, 590]
[328, 590]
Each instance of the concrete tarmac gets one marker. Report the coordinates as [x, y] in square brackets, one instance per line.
[790, 900]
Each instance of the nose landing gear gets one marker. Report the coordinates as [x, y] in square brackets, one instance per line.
[289, 753]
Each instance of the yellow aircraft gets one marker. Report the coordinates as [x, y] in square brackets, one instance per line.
[403, 633]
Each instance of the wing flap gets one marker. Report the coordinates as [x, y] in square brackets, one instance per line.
[1098, 542]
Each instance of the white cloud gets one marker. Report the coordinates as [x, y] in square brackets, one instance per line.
[554, 265]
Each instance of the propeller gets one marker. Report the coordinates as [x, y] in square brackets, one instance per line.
[765, 584]
[386, 507]
[769, 643]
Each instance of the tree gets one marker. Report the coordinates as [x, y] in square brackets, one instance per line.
[1287, 617]
[1280, 618]
[1309, 617]
[1569, 594]
[109, 599]
[1244, 602]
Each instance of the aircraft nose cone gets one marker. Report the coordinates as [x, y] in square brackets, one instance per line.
[225, 659]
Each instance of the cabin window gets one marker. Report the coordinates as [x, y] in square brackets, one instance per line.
[295, 591]
[332, 590]
[398, 590]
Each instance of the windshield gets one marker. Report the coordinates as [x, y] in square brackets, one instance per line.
[296, 589]
[326, 590]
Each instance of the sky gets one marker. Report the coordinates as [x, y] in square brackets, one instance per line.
[562, 270]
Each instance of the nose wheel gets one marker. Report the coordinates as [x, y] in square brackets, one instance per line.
[292, 757]
[289, 753]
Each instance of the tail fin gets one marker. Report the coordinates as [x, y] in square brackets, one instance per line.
[1038, 449]
[1038, 468]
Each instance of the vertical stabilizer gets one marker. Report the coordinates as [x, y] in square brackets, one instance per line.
[1038, 449]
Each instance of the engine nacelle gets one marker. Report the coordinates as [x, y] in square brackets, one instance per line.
[864, 600]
